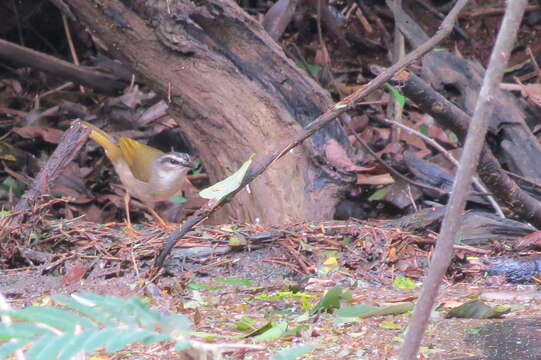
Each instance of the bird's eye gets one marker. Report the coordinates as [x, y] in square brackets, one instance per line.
[174, 162]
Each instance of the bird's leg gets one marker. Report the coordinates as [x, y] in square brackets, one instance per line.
[162, 223]
[157, 216]
[128, 218]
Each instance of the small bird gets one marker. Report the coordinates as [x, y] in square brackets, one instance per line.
[148, 174]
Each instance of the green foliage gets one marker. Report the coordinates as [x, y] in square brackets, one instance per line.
[400, 99]
[365, 311]
[293, 352]
[356, 310]
[86, 323]
[331, 300]
[423, 128]
[404, 283]
[282, 295]
[178, 199]
[379, 194]
[477, 309]
[311, 69]
[274, 332]
[10, 184]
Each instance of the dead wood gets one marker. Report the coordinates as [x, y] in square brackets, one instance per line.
[460, 80]
[233, 93]
[79, 74]
[490, 171]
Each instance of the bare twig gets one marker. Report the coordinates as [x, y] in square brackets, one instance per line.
[73, 52]
[468, 164]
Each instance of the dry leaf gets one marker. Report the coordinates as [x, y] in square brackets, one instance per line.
[337, 157]
[48, 134]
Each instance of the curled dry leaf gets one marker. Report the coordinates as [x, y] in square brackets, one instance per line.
[48, 134]
[278, 17]
[533, 93]
[336, 155]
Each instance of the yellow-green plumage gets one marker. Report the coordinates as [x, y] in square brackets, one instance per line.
[138, 156]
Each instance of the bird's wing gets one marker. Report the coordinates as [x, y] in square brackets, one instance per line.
[139, 157]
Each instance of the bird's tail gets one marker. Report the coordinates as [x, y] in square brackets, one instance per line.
[108, 142]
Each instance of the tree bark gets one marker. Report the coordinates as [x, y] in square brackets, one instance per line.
[233, 93]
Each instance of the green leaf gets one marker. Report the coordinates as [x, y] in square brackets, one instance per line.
[57, 318]
[260, 330]
[10, 184]
[395, 309]
[423, 129]
[476, 309]
[178, 199]
[390, 325]
[404, 283]
[331, 300]
[293, 352]
[222, 189]
[354, 311]
[400, 99]
[452, 137]
[5, 213]
[297, 330]
[245, 324]
[275, 332]
[379, 194]
[22, 330]
[47, 347]
[97, 339]
[75, 344]
[9, 347]
[91, 311]
[311, 69]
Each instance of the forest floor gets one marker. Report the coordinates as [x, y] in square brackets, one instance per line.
[346, 288]
[267, 290]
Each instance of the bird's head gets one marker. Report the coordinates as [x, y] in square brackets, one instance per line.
[173, 164]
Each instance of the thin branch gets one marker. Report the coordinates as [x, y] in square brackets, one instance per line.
[468, 164]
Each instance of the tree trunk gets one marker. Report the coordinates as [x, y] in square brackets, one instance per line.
[233, 93]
